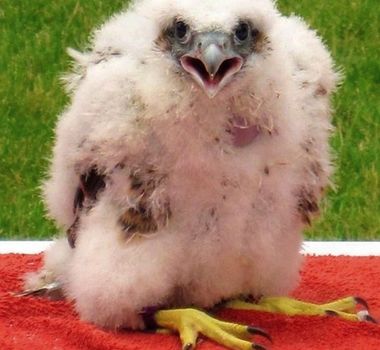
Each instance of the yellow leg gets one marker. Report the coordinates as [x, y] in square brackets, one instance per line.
[189, 323]
[345, 308]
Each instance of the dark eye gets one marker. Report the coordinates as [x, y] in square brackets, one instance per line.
[181, 30]
[242, 31]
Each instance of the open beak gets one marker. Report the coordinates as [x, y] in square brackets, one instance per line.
[212, 62]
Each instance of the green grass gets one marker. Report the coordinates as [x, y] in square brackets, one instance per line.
[33, 38]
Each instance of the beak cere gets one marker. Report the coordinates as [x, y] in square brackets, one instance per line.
[211, 65]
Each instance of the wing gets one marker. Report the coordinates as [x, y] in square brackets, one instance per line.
[92, 134]
[102, 129]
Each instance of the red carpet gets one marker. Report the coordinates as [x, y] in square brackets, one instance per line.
[32, 323]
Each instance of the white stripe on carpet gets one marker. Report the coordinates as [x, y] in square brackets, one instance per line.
[311, 248]
[23, 247]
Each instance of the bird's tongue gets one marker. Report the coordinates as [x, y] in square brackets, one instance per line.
[242, 132]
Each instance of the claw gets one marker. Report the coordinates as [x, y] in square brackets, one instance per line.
[369, 318]
[365, 316]
[259, 331]
[258, 347]
[188, 347]
[362, 302]
[52, 289]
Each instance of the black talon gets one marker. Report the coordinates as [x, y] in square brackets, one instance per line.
[52, 291]
[331, 313]
[188, 346]
[258, 347]
[259, 331]
[369, 318]
[362, 302]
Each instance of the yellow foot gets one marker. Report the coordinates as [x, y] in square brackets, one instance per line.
[346, 308]
[189, 323]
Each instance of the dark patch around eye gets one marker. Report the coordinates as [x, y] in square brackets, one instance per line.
[260, 42]
[163, 42]
[248, 39]
[255, 33]
[173, 38]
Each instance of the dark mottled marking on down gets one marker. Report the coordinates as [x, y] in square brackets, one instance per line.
[90, 184]
[163, 42]
[316, 168]
[105, 55]
[308, 145]
[140, 218]
[136, 182]
[261, 43]
[71, 233]
[320, 91]
[307, 205]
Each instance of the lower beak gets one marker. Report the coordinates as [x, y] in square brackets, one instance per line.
[213, 63]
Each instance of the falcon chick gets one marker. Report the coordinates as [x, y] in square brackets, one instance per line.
[193, 153]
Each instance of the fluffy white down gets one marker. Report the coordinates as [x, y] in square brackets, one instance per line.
[236, 223]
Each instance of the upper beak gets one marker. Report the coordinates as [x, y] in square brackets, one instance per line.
[211, 62]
